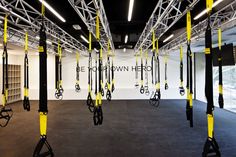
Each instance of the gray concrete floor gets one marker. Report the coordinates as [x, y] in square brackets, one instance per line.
[130, 128]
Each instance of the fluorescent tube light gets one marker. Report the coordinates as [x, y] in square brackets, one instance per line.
[205, 11]
[84, 39]
[52, 10]
[131, 6]
[126, 39]
[168, 38]
[68, 50]
[49, 42]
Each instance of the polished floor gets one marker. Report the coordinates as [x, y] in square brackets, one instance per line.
[130, 128]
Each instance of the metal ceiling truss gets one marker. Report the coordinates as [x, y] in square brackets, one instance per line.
[24, 16]
[164, 16]
[224, 19]
[87, 11]
[17, 37]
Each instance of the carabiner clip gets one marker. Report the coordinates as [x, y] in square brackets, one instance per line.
[26, 103]
[37, 152]
[5, 114]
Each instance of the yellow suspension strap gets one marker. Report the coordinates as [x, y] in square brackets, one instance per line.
[181, 86]
[141, 87]
[77, 86]
[98, 114]
[43, 100]
[220, 98]
[58, 72]
[155, 97]
[108, 83]
[26, 103]
[189, 103]
[166, 82]
[146, 75]
[89, 101]
[5, 112]
[211, 147]
[153, 55]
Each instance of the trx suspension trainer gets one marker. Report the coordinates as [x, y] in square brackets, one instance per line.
[166, 83]
[98, 114]
[141, 87]
[26, 103]
[112, 74]
[156, 96]
[108, 83]
[89, 101]
[5, 112]
[146, 74]
[58, 73]
[43, 107]
[77, 86]
[136, 71]
[220, 98]
[189, 103]
[181, 87]
[211, 147]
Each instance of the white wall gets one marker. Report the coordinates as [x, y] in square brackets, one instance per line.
[200, 76]
[124, 81]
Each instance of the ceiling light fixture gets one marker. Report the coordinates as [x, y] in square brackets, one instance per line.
[68, 50]
[168, 38]
[205, 11]
[77, 27]
[0, 21]
[52, 10]
[84, 39]
[49, 42]
[131, 6]
[126, 39]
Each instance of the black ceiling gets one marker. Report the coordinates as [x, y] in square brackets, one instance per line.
[117, 12]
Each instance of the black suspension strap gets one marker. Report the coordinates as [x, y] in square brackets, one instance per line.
[136, 71]
[26, 103]
[166, 82]
[181, 86]
[89, 101]
[108, 83]
[211, 147]
[156, 96]
[98, 114]
[141, 87]
[5, 112]
[77, 86]
[43, 107]
[189, 103]
[58, 73]
[146, 74]
[112, 74]
[220, 98]
[153, 56]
